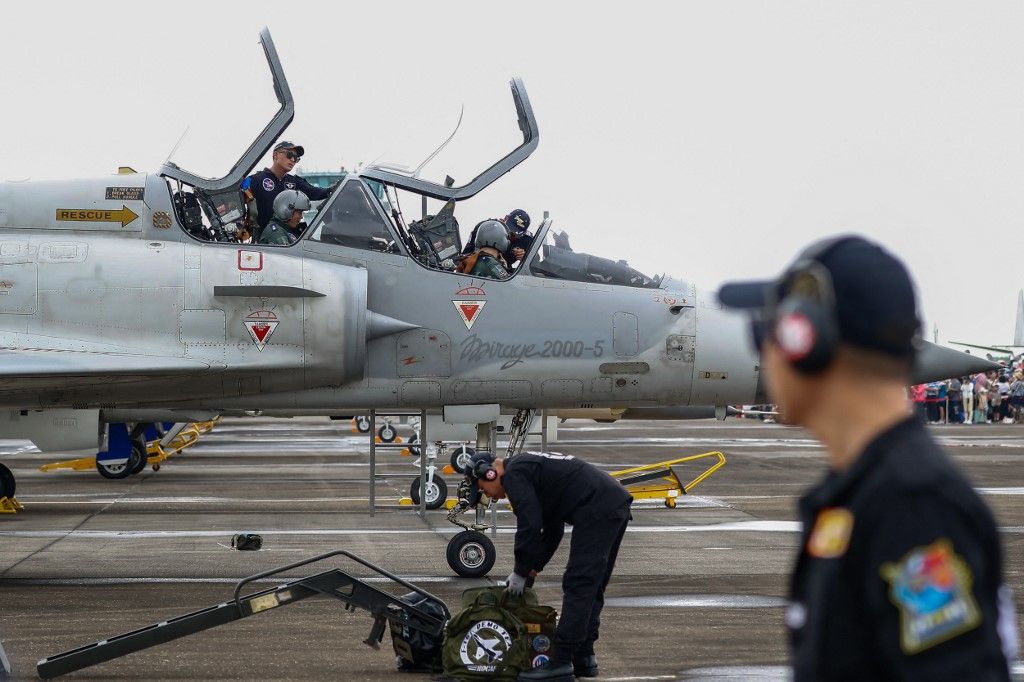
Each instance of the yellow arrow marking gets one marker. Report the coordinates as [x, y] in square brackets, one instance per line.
[124, 215]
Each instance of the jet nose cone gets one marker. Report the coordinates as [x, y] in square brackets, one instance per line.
[938, 362]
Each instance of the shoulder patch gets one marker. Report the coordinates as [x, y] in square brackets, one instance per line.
[931, 587]
[831, 533]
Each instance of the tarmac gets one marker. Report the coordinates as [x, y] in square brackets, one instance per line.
[698, 592]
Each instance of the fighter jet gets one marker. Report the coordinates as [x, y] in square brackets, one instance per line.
[127, 300]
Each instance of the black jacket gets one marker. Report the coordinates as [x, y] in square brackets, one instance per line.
[546, 492]
[265, 187]
[900, 571]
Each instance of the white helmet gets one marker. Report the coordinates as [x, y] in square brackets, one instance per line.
[492, 233]
[289, 201]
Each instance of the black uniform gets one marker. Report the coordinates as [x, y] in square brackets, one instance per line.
[265, 186]
[899, 573]
[547, 491]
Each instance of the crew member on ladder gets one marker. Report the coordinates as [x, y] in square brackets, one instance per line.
[546, 492]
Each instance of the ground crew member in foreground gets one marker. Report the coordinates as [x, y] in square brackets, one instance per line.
[899, 575]
[546, 492]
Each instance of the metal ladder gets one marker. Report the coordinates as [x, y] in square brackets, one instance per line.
[335, 583]
[375, 446]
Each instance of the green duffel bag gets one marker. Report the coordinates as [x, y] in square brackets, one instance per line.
[540, 620]
[490, 640]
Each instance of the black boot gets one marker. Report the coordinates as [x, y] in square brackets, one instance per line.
[551, 671]
[585, 665]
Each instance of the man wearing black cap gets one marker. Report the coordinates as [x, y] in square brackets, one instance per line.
[547, 491]
[517, 223]
[899, 574]
[269, 182]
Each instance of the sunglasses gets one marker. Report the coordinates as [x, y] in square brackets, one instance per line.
[292, 156]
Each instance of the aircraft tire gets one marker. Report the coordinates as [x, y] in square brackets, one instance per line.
[136, 462]
[139, 454]
[362, 424]
[471, 554]
[460, 458]
[437, 492]
[7, 483]
[414, 449]
[387, 433]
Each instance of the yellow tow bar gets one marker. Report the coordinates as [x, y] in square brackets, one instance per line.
[660, 480]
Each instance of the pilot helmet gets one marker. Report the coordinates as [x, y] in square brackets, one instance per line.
[288, 201]
[492, 233]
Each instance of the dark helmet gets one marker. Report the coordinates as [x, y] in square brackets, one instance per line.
[492, 233]
[518, 220]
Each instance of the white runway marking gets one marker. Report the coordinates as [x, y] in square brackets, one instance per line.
[740, 526]
[697, 601]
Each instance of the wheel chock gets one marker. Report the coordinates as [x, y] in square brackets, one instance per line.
[448, 469]
[10, 505]
[82, 464]
[449, 503]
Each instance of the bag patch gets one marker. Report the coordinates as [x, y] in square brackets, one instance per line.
[931, 587]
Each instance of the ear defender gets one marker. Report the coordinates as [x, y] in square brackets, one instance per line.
[804, 328]
[485, 471]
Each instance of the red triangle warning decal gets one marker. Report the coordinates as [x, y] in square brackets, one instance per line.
[469, 311]
[261, 326]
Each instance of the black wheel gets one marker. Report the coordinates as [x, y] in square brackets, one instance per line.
[7, 483]
[139, 452]
[460, 458]
[363, 424]
[414, 449]
[471, 554]
[387, 433]
[136, 461]
[437, 492]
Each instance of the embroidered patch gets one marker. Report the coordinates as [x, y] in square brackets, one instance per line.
[831, 533]
[268, 184]
[931, 587]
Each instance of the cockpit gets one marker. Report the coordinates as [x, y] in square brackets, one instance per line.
[364, 212]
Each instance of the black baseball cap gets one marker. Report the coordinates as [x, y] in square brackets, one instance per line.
[285, 146]
[873, 296]
[471, 474]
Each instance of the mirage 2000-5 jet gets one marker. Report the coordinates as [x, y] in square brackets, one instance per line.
[128, 299]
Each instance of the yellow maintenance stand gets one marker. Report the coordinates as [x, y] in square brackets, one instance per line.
[660, 480]
[157, 451]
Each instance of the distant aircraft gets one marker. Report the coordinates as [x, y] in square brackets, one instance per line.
[1010, 353]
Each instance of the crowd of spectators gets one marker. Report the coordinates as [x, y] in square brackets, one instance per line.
[984, 398]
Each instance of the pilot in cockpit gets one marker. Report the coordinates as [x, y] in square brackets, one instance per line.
[284, 228]
[487, 260]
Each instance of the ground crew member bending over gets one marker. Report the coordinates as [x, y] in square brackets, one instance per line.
[899, 575]
[546, 492]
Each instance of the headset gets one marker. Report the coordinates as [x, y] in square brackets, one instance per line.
[484, 469]
[803, 323]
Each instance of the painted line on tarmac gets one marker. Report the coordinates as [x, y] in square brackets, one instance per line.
[739, 526]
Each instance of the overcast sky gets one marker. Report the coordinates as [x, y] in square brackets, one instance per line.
[708, 140]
